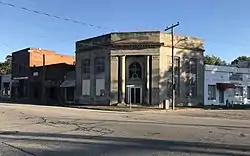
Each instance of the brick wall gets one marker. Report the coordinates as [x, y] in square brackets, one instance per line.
[36, 57]
[33, 57]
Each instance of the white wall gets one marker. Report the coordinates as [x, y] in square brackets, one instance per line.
[220, 74]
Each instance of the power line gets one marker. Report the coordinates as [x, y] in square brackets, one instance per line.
[7, 46]
[54, 16]
[77, 21]
[81, 22]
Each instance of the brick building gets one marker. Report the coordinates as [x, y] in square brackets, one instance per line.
[54, 76]
[25, 61]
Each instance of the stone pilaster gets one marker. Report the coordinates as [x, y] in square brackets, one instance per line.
[148, 78]
[92, 78]
[155, 79]
[114, 91]
[123, 77]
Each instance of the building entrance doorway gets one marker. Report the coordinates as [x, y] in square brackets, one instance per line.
[221, 96]
[134, 95]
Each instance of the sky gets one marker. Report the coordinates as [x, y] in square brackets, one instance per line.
[223, 24]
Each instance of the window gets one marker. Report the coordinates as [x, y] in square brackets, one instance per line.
[177, 66]
[248, 92]
[193, 66]
[100, 86]
[85, 66]
[177, 75]
[35, 73]
[191, 69]
[211, 92]
[135, 70]
[99, 65]
[6, 89]
[238, 91]
[236, 76]
[191, 87]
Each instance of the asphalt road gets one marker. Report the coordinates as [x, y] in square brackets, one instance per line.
[27, 130]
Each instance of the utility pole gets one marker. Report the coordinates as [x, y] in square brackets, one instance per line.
[173, 83]
[43, 81]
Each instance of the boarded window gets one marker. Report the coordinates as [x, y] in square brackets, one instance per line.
[100, 86]
[85, 87]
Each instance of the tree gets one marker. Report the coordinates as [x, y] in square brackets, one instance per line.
[214, 60]
[240, 58]
[5, 67]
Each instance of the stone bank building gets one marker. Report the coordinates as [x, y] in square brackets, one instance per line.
[136, 66]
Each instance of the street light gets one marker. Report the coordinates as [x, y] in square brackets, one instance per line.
[183, 39]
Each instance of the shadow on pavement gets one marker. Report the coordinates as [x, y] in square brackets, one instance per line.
[72, 144]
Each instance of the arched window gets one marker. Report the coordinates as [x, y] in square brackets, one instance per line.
[135, 70]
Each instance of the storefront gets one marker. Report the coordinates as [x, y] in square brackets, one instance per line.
[225, 86]
[6, 86]
[68, 87]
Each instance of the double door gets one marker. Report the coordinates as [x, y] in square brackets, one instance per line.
[134, 95]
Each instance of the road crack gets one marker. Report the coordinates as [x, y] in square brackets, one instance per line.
[84, 127]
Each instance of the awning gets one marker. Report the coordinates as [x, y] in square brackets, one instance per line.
[68, 83]
[225, 85]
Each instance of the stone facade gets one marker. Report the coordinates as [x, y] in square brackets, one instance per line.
[136, 68]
